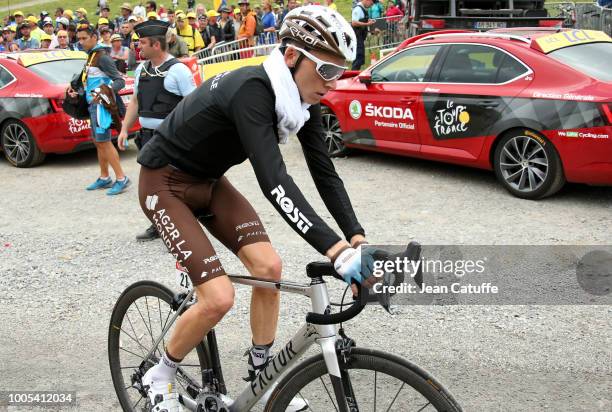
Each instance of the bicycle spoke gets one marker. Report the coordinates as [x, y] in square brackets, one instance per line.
[149, 316]
[129, 367]
[135, 340]
[133, 330]
[125, 350]
[160, 323]
[145, 323]
[426, 405]
[328, 394]
[304, 399]
[396, 395]
[136, 404]
[375, 376]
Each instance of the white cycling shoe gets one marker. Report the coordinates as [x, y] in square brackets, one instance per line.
[161, 394]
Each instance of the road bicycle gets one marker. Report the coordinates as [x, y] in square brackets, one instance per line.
[343, 377]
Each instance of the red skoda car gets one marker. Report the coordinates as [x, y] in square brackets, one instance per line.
[534, 105]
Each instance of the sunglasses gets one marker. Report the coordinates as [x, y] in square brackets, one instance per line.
[328, 71]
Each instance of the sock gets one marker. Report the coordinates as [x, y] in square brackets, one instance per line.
[121, 180]
[259, 354]
[166, 368]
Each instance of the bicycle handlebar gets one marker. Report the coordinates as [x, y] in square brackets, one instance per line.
[412, 252]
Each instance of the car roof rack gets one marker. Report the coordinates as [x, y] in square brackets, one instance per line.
[472, 34]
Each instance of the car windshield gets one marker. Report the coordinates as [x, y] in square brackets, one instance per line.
[58, 71]
[592, 59]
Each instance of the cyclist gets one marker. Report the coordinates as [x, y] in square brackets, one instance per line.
[231, 117]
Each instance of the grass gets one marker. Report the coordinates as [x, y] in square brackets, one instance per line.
[344, 6]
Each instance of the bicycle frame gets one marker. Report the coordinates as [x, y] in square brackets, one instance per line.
[308, 334]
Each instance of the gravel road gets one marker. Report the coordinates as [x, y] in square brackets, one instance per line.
[67, 254]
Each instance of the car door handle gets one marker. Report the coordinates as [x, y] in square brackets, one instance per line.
[488, 104]
[408, 100]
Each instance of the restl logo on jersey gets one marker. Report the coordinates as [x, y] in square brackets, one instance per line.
[355, 109]
[292, 212]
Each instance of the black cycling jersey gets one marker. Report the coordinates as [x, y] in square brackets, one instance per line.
[230, 118]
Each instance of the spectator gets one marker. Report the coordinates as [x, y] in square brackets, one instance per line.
[202, 27]
[152, 16]
[361, 23]
[43, 15]
[269, 19]
[105, 36]
[8, 38]
[393, 12]
[63, 23]
[291, 4]
[59, 13]
[214, 30]
[376, 11]
[126, 34]
[19, 19]
[237, 20]
[48, 29]
[139, 11]
[105, 14]
[119, 53]
[62, 40]
[45, 41]
[331, 4]
[200, 10]
[81, 14]
[176, 45]
[170, 17]
[26, 41]
[126, 12]
[101, 70]
[258, 11]
[150, 6]
[192, 18]
[68, 14]
[190, 4]
[35, 31]
[102, 22]
[278, 15]
[190, 36]
[248, 25]
[228, 32]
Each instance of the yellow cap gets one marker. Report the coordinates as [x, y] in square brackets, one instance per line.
[82, 10]
[18, 13]
[69, 12]
[191, 15]
[102, 20]
[236, 11]
[32, 19]
[180, 16]
[212, 13]
[45, 37]
[152, 16]
[135, 36]
[179, 11]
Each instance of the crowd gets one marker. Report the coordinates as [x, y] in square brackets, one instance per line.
[192, 30]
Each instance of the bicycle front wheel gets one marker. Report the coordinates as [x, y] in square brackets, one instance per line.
[140, 315]
[373, 381]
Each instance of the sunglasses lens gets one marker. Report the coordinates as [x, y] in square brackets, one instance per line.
[330, 72]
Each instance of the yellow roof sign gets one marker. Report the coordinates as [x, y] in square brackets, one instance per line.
[28, 59]
[570, 38]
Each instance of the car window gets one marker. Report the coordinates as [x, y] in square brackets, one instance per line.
[58, 71]
[5, 77]
[408, 66]
[473, 63]
[593, 59]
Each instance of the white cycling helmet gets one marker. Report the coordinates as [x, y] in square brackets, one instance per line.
[320, 28]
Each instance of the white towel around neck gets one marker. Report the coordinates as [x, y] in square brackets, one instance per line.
[291, 112]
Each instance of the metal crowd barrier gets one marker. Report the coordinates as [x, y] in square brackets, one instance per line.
[592, 16]
[386, 33]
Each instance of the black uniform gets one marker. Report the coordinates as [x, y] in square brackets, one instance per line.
[230, 118]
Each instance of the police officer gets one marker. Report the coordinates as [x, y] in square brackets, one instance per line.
[161, 81]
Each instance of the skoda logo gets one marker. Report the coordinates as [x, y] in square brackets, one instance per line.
[355, 109]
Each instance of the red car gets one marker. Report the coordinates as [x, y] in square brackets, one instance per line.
[32, 122]
[535, 105]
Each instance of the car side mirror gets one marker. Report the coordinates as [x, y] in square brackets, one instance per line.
[365, 78]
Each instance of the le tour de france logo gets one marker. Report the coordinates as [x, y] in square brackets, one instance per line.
[355, 109]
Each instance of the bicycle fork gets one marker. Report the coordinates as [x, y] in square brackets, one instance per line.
[332, 347]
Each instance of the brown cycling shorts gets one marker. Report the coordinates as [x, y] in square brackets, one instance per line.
[174, 201]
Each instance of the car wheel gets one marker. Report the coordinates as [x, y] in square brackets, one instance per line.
[19, 145]
[332, 134]
[528, 165]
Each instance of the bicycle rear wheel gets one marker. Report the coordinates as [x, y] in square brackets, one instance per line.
[379, 382]
[140, 315]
